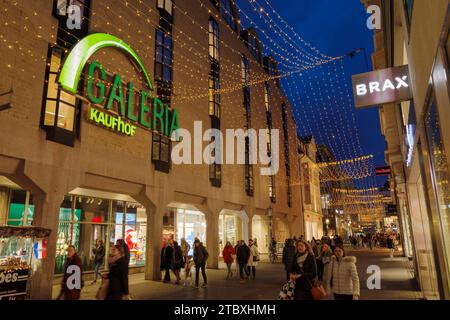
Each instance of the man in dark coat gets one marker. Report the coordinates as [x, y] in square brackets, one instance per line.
[288, 257]
[166, 261]
[118, 275]
[200, 257]
[242, 256]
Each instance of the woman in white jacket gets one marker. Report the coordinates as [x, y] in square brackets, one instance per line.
[253, 259]
[343, 276]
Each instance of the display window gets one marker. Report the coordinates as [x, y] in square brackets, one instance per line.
[230, 229]
[440, 174]
[184, 223]
[20, 201]
[84, 220]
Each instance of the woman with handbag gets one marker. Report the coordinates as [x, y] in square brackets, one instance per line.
[344, 280]
[304, 271]
[118, 275]
[253, 259]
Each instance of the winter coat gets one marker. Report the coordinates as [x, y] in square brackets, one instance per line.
[99, 254]
[288, 257]
[254, 254]
[227, 254]
[389, 243]
[71, 294]
[242, 254]
[325, 259]
[177, 260]
[166, 257]
[126, 251]
[343, 276]
[200, 255]
[308, 273]
[118, 279]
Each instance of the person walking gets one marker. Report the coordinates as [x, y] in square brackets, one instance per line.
[99, 257]
[390, 246]
[288, 257]
[324, 265]
[126, 250]
[118, 275]
[343, 276]
[185, 248]
[242, 256]
[166, 261]
[304, 271]
[72, 260]
[200, 257]
[253, 259]
[177, 261]
[228, 253]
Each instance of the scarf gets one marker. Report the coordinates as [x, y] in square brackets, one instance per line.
[301, 259]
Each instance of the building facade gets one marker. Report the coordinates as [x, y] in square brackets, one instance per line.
[416, 33]
[95, 162]
[310, 188]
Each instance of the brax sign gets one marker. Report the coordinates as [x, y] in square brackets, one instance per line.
[381, 86]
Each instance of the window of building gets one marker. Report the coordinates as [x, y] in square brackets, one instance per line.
[214, 87]
[306, 183]
[271, 69]
[440, 173]
[226, 10]
[245, 66]
[215, 3]
[165, 5]
[286, 152]
[213, 39]
[61, 10]
[163, 57]
[272, 189]
[254, 46]
[161, 145]
[289, 191]
[60, 109]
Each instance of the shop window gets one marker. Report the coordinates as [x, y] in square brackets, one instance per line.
[21, 201]
[440, 172]
[60, 110]
[226, 10]
[190, 224]
[84, 220]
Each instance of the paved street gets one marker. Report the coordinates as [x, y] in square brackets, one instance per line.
[397, 282]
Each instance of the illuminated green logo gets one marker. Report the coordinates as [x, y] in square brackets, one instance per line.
[80, 54]
[138, 107]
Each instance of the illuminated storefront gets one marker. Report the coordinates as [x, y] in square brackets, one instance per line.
[190, 224]
[231, 228]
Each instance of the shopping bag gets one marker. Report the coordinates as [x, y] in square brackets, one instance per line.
[287, 291]
[103, 290]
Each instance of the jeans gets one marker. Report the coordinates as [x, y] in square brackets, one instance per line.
[242, 269]
[230, 273]
[252, 269]
[202, 267]
[97, 267]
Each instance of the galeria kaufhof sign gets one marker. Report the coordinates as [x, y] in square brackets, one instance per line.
[149, 112]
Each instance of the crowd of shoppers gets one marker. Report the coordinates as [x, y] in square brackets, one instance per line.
[320, 264]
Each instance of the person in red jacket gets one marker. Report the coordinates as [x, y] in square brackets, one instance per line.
[228, 257]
